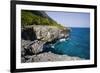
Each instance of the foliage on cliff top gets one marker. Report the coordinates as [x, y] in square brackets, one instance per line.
[36, 18]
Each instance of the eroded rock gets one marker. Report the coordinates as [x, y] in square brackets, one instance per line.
[48, 56]
[45, 33]
[33, 42]
[37, 46]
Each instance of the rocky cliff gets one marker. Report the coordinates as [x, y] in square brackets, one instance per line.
[38, 33]
[42, 34]
[34, 42]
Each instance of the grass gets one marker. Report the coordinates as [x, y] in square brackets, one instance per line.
[30, 18]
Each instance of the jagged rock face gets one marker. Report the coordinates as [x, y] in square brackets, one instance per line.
[37, 46]
[34, 39]
[40, 35]
[31, 47]
[46, 33]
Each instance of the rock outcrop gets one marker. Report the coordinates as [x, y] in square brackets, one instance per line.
[45, 33]
[49, 56]
[33, 42]
[39, 35]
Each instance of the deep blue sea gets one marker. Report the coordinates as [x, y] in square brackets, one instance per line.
[78, 44]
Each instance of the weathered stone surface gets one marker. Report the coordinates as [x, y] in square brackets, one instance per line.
[25, 47]
[37, 46]
[47, 33]
[31, 47]
[48, 56]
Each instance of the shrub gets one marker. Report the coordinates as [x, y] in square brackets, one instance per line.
[30, 18]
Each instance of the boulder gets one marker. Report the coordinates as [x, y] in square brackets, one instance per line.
[31, 47]
[37, 46]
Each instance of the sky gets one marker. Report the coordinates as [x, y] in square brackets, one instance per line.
[71, 19]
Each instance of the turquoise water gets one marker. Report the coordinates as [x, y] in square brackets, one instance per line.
[78, 44]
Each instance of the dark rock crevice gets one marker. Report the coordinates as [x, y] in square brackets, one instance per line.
[28, 34]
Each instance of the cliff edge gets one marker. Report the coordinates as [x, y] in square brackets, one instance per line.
[38, 32]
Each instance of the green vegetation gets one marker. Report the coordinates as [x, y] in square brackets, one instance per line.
[31, 18]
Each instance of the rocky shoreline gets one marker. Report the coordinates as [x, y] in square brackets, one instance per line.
[48, 56]
[34, 43]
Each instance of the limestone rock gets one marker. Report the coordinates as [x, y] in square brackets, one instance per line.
[31, 47]
[48, 56]
[46, 33]
[37, 46]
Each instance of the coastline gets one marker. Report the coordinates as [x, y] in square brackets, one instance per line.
[37, 50]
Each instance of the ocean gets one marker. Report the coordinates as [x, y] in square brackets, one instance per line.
[77, 45]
